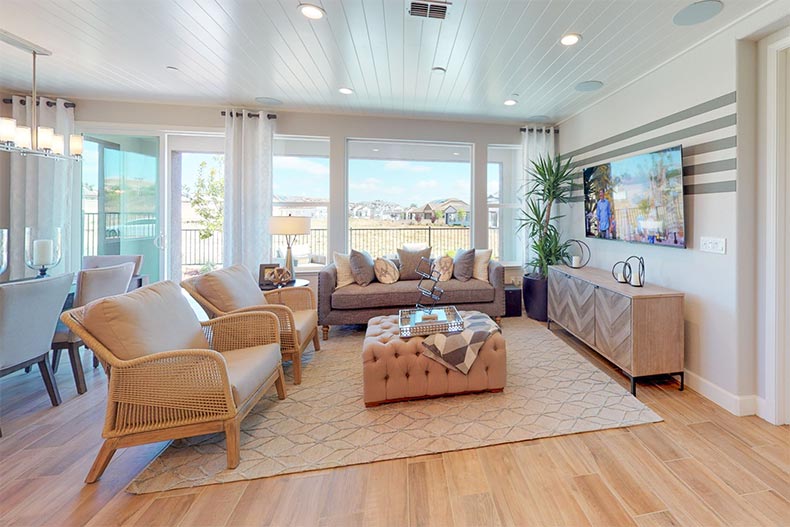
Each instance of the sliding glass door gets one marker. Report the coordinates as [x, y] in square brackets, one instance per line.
[120, 199]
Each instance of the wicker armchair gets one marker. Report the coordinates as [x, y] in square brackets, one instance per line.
[171, 376]
[233, 290]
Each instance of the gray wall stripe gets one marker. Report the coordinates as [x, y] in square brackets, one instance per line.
[707, 106]
[710, 188]
[698, 129]
[713, 166]
[711, 146]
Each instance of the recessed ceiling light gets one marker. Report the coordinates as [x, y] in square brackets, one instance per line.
[375, 149]
[346, 91]
[439, 69]
[589, 86]
[538, 118]
[311, 11]
[456, 154]
[268, 101]
[570, 39]
[172, 68]
[510, 102]
[698, 12]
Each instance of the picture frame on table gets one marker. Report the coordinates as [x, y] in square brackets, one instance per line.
[265, 272]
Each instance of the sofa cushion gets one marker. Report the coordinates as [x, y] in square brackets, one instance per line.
[343, 266]
[230, 288]
[149, 320]
[306, 321]
[409, 260]
[404, 294]
[482, 258]
[464, 264]
[386, 271]
[361, 267]
[249, 367]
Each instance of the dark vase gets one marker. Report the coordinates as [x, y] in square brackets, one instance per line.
[536, 296]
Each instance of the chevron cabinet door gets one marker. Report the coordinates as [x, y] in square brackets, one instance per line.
[558, 297]
[613, 327]
[581, 309]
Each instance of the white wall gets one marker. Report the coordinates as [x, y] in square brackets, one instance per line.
[720, 289]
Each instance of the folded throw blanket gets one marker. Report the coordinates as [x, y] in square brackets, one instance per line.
[459, 350]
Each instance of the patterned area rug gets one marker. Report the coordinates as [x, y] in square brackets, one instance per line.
[551, 390]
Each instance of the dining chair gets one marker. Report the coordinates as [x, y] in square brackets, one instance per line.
[111, 260]
[92, 284]
[234, 290]
[29, 310]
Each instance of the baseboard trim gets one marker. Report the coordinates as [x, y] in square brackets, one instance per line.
[739, 405]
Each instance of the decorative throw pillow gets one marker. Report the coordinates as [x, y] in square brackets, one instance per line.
[361, 267]
[344, 275]
[410, 260]
[445, 267]
[464, 264]
[482, 257]
[386, 271]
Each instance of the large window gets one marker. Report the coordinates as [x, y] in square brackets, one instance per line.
[504, 189]
[301, 188]
[408, 194]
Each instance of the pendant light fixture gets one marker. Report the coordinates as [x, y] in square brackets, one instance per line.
[35, 140]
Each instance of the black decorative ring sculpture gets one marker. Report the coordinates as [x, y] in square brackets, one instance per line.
[584, 249]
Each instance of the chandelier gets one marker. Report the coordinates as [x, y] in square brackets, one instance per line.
[34, 140]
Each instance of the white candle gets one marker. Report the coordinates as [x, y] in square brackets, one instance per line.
[636, 279]
[42, 252]
[576, 261]
[620, 277]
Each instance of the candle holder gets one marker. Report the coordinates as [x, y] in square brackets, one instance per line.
[3, 250]
[43, 249]
[621, 272]
[577, 261]
[637, 278]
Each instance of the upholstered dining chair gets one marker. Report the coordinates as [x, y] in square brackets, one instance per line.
[234, 290]
[92, 284]
[171, 376]
[28, 313]
[111, 260]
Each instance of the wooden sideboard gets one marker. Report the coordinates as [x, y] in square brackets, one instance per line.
[639, 329]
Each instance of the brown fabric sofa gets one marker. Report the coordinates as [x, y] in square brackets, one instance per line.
[355, 304]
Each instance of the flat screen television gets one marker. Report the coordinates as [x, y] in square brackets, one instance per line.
[638, 199]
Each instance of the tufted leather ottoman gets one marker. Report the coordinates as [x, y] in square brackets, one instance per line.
[395, 369]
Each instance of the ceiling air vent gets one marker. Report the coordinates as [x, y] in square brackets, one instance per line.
[429, 9]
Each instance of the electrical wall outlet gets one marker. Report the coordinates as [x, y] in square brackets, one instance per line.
[713, 245]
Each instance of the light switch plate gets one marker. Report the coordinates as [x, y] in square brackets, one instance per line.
[713, 245]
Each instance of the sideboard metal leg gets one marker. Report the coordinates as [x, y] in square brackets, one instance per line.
[548, 324]
[633, 386]
[682, 380]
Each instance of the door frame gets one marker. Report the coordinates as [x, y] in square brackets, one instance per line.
[776, 408]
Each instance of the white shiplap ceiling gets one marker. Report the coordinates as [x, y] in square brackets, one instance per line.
[231, 51]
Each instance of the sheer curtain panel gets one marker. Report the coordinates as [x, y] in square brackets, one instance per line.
[248, 188]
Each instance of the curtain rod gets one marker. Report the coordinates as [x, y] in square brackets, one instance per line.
[250, 114]
[50, 104]
[556, 130]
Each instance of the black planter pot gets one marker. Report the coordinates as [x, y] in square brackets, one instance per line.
[536, 296]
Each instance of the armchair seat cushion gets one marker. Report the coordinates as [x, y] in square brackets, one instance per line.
[404, 293]
[148, 320]
[230, 288]
[306, 321]
[249, 367]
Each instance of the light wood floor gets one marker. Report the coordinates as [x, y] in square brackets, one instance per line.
[702, 466]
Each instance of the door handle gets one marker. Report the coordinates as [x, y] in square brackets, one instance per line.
[159, 242]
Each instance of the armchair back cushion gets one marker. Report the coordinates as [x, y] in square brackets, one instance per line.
[230, 288]
[149, 320]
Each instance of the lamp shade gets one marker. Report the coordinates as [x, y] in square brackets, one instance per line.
[23, 137]
[57, 144]
[44, 138]
[75, 145]
[7, 129]
[289, 225]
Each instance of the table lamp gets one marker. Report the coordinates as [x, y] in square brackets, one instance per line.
[290, 227]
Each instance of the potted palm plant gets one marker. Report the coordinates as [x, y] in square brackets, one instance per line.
[550, 184]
